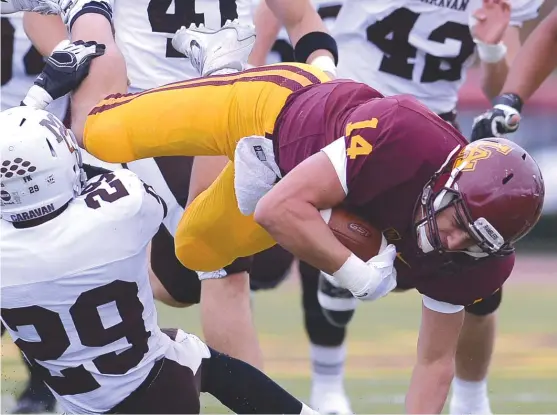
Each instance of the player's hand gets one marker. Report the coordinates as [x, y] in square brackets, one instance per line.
[502, 119]
[382, 265]
[68, 66]
[491, 21]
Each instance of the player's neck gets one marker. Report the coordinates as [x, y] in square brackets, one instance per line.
[39, 221]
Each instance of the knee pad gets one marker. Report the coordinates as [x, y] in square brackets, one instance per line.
[320, 331]
[487, 306]
[269, 268]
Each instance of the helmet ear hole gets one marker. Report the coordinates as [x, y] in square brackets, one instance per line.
[508, 178]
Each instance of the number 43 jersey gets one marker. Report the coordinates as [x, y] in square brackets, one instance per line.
[418, 47]
[76, 296]
[144, 30]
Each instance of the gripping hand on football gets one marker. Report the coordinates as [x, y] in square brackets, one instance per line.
[371, 280]
[502, 119]
[383, 272]
[65, 69]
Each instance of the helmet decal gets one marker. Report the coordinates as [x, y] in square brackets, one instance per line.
[477, 151]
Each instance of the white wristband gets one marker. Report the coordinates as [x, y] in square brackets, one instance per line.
[354, 275]
[326, 64]
[491, 53]
[37, 98]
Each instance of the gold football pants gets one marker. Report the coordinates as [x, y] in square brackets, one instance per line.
[201, 117]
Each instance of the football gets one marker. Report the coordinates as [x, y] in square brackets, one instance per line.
[355, 233]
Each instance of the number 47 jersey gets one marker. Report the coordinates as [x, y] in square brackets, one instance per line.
[144, 30]
[418, 47]
[76, 296]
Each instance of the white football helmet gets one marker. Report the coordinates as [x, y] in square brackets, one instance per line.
[40, 168]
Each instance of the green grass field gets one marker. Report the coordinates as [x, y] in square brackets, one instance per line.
[382, 347]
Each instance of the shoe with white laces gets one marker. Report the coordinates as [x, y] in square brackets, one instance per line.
[38, 6]
[330, 402]
[221, 50]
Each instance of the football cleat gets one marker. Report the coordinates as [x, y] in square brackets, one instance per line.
[225, 49]
[38, 6]
[330, 402]
[337, 303]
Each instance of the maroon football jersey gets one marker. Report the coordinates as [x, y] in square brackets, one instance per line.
[389, 149]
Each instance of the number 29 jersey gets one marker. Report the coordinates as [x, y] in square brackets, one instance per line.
[418, 47]
[76, 296]
[144, 30]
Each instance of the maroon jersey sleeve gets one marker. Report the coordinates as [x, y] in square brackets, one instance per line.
[472, 284]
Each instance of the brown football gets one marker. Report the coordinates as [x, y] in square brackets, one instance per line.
[355, 233]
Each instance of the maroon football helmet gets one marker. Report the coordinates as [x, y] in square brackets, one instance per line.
[497, 189]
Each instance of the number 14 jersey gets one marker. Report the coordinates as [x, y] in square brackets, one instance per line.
[418, 47]
[144, 30]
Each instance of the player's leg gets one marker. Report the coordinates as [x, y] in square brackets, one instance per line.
[269, 268]
[327, 350]
[36, 397]
[254, 393]
[225, 303]
[172, 283]
[213, 232]
[475, 348]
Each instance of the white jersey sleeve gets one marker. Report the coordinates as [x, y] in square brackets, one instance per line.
[524, 10]
[140, 201]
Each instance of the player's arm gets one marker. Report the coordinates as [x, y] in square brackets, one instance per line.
[307, 32]
[267, 27]
[497, 43]
[92, 21]
[44, 31]
[494, 73]
[290, 213]
[434, 368]
[535, 61]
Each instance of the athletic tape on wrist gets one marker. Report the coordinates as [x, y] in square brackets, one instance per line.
[491, 53]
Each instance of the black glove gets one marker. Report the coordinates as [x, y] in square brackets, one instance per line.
[502, 119]
[65, 69]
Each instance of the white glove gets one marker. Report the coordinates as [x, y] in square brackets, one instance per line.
[383, 263]
[369, 280]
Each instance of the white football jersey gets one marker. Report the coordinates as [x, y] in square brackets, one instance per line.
[144, 30]
[282, 50]
[76, 297]
[419, 47]
[21, 64]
